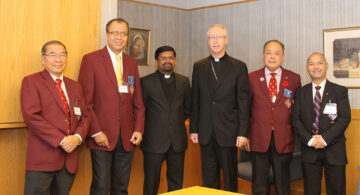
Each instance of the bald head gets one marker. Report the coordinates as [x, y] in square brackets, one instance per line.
[316, 54]
[317, 67]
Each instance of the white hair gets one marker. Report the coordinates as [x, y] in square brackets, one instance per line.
[217, 26]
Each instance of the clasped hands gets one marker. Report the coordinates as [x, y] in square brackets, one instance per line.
[318, 142]
[69, 143]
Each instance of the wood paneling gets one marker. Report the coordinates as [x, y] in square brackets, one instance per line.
[27, 25]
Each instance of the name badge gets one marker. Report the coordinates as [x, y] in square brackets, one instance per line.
[77, 111]
[330, 108]
[124, 88]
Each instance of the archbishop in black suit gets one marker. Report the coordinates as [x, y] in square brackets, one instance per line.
[324, 144]
[167, 99]
[220, 112]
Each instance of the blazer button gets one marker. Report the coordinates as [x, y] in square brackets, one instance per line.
[213, 102]
[65, 120]
[118, 118]
[273, 108]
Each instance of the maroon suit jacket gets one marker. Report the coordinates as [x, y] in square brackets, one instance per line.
[109, 110]
[263, 112]
[45, 116]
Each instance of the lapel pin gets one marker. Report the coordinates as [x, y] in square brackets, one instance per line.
[262, 79]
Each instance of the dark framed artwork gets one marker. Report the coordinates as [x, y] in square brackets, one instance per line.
[139, 45]
[342, 51]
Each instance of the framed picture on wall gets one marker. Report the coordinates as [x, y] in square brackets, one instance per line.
[139, 45]
[342, 51]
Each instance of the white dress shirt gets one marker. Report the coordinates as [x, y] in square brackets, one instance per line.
[277, 77]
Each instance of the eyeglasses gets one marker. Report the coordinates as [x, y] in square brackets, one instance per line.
[117, 33]
[166, 58]
[218, 37]
[54, 56]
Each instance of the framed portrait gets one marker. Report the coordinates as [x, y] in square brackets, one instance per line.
[342, 51]
[139, 45]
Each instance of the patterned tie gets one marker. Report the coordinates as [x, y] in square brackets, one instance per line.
[65, 103]
[272, 87]
[119, 76]
[317, 102]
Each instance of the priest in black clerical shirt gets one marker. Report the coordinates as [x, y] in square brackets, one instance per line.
[167, 99]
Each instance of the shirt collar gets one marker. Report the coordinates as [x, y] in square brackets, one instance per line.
[277, 71]
[55, 77]
[112, 54]
[322, 84]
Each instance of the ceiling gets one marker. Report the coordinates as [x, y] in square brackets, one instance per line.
[190, 4]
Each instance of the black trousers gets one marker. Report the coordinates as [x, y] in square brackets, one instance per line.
[335, 179]
[152, 170]
[280, 164]
[45, 182]
[111, 169]
[214, 157]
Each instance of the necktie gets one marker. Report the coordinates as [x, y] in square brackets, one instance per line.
[119, 75]
[272, 88]
[317, 102]
[65, 104]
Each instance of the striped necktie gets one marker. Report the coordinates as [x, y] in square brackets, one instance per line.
[317, 102]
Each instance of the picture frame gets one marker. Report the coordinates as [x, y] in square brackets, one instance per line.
[139, 45]
[342, 51]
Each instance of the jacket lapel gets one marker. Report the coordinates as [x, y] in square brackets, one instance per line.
[208, 74]
[280, 94]
[262, 83]
[309, 101]
[325, 97]
[50, 84]
[177, 87]
[158, 87]
[71, 95]
[109, 66]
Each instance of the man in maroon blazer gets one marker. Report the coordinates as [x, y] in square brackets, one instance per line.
[54, 111]
[272, 90]
[111, 84]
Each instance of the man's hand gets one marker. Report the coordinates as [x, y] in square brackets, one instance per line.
[194, 137]
[243, 142]
[101, 140]
[136, 138]
[70, 143]
[318, 142]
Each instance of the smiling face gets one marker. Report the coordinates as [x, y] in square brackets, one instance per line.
[217, 41]
[54, 59]
[273, 56]
[166, 62]
[117, 36]
[317, 67]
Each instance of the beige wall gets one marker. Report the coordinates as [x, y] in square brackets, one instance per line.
[168, 27]
[298, 24]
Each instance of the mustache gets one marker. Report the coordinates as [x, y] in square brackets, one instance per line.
[167, 63]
